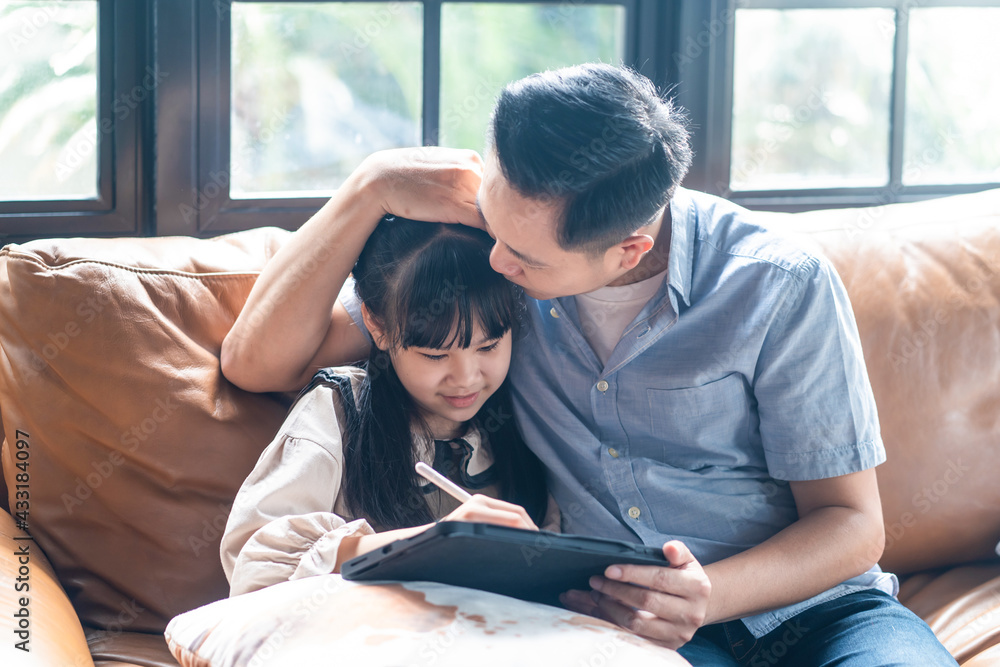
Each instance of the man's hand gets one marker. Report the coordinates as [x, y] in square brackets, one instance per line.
[663, 604]
[427, 183]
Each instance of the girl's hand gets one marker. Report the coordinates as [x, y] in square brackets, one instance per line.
[483, 509]
[478, 509]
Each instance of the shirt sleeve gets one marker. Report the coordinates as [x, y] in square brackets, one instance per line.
[817, 412]
[282, 526]
[352, 304]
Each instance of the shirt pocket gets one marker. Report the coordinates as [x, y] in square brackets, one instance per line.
[703, 427]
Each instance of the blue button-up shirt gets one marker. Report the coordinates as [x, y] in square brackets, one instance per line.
[744, 372]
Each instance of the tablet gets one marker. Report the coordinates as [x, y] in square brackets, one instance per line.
[531, 565]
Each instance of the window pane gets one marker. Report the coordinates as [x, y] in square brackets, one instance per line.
[952, 96]
[811, 98]
[48, 100]
[316, 87]
[485, 46]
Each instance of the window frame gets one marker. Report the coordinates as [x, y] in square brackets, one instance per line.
[119, 209]
[192, 172]
[157, 164]
[706, 90]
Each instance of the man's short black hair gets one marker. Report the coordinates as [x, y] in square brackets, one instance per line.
[599, 140]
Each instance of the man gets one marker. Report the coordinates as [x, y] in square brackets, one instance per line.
[690, 380]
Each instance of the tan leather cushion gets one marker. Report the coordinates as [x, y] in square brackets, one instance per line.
[134, 649]
[962, 607]
[328, 621]
[109, 361]
[924, 281]
[988, 658]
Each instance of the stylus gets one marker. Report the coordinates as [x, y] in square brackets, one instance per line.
[442, 482]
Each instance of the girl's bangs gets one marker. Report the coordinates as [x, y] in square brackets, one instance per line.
[450, 290]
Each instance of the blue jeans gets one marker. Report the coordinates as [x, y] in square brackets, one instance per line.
[863, 629]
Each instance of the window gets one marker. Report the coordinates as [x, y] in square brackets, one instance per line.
[289, 97]
[318, 86]
[71, 117]
[809, 104]
[201, 117]
[48, 112]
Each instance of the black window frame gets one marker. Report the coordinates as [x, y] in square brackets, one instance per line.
[163, 167]
[124, 104]
[705, 89]
[192, 169]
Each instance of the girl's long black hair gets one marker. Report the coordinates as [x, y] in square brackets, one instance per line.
[429, 285]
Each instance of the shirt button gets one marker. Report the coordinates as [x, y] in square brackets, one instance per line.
[634, 512]
[613, 452]
[602, 386]
[554, 313]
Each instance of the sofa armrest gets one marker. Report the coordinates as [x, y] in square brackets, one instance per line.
[35, 612]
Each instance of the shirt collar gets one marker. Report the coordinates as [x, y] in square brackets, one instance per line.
[680, 263]
[479, 462]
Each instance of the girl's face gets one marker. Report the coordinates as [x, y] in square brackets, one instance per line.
[450, 385]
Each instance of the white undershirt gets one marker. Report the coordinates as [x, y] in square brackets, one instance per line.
[605, 312]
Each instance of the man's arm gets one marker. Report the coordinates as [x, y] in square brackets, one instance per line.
[292, 323]
[839, 535]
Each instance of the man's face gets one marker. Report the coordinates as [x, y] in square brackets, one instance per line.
[526, 250]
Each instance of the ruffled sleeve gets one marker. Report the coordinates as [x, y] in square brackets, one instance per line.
[283, 524]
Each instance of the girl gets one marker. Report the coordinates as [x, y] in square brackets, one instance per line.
[338, 480]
